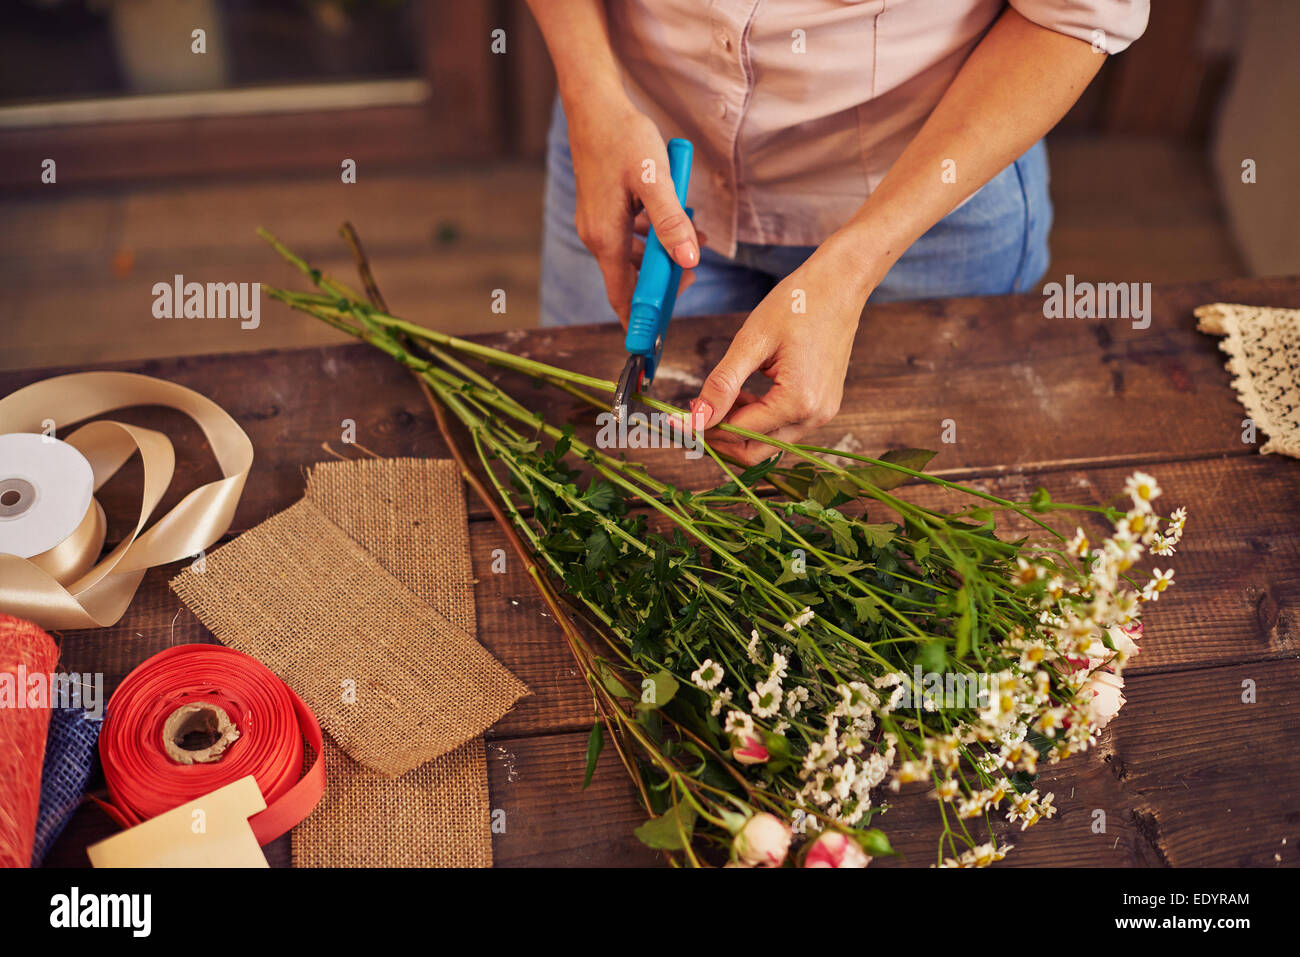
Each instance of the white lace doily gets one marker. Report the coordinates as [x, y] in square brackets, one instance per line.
[1263, 347]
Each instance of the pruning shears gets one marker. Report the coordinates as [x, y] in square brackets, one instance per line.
[655, 294]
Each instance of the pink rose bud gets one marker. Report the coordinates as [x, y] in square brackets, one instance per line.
[749, 749]
[836, 849]
[763, 841]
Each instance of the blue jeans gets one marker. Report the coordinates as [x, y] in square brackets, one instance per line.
[996, 243]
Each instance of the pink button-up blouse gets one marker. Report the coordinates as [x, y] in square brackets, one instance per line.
[797, 108]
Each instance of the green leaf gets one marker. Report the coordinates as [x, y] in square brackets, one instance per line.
[595, 744]
[755, 473]
[787, 574]
[932, 657]
[659, 692]
[1023, 782]
[822, 491]
[778, 746]
[563, 442]
[800, 478]
[866, 608]
[600, 550]
[878, 536]
[663, 833]
[770, 524]
[886, 478]
[600, 496]
[965, 622]
[611, 683]
[842, 533]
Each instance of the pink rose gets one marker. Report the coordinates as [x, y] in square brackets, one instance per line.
[836, 849]
[1107, 695]
[763, 841]
[749, 749]
[1123, 638]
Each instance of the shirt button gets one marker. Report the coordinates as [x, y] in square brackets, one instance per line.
[722, 108]
[720, 180]
[724, 41]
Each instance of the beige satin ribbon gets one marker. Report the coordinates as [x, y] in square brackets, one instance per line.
[65, 587]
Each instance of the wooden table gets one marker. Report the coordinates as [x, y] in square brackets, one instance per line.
[1187, 775]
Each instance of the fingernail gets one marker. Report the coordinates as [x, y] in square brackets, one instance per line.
[702, 411]
[685, 254]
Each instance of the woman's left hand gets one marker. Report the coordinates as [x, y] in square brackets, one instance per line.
[800, 337]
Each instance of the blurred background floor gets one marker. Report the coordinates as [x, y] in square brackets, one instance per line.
[441, 242]
[167, 165]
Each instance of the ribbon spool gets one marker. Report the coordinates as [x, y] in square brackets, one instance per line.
[52, 529]
[172, 703]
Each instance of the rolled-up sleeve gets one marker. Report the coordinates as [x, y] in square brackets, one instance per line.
[1109, 25]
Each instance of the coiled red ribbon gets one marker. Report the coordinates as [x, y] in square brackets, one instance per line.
[272, 721]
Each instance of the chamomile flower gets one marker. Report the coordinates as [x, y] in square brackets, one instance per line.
[766, 700]
[1079, 545]
[708, 676]
[738, 724]
[1158, 583]
[802, 619]
[1027, 573]
[1142, 488]
[946, 790]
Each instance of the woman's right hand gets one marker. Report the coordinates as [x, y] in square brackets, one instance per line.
[620, 166]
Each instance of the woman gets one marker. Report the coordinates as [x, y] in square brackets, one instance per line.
[845, 152]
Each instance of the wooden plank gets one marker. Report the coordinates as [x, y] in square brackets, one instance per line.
[1025, 393]
[537, 783]
[1187, 776]
[87, 263]
[205, 147]
[549, 820]
[1236, 597]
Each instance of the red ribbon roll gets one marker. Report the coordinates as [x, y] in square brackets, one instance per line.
[25, 651]
[144, 781]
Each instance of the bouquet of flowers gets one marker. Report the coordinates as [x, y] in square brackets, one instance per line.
[772, 657]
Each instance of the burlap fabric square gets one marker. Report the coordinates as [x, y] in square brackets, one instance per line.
[393, 681]
[369, 580]
[437, 815]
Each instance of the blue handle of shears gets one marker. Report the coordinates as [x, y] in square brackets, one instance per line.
[656, 284]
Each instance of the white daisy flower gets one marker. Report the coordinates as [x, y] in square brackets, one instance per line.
[708, 676]
[1142, 488]
[1158, 583]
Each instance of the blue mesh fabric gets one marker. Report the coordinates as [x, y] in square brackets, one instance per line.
[69, 760]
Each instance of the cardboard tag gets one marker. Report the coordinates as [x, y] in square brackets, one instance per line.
[211, 831]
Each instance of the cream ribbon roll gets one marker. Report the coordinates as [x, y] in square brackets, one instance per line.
[51, 527]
